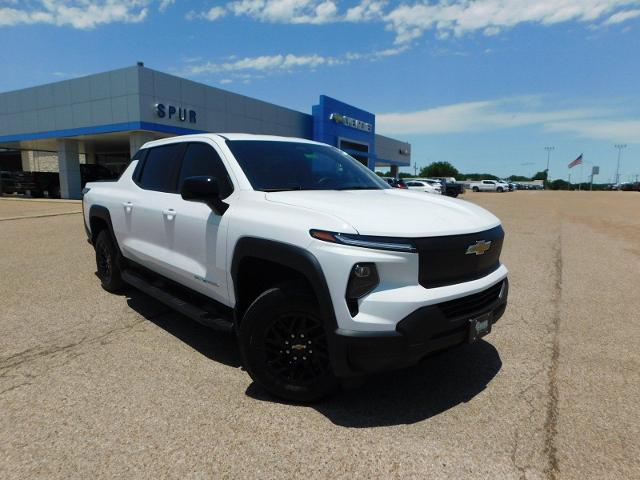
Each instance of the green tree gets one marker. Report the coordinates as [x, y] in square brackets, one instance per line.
[559, 185]
[519, 178]
[478, 176]
[540, 175]
[439, 169]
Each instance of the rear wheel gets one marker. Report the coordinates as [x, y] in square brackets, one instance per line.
[284, 345]
[475, 189]
[107, 262]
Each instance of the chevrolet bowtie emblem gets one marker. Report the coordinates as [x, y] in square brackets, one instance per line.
[478, 248]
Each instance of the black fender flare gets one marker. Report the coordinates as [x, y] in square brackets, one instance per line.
[98, 211]
[303, 262]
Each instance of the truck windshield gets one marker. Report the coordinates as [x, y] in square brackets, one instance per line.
[274, 166]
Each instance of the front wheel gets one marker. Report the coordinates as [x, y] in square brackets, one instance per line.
[284, 345]
[500, 189]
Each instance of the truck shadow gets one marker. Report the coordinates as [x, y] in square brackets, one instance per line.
[407, 396]
[218, 346]
[437, 384]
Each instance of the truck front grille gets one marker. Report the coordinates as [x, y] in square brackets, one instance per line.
[444, 260]
[473, 303]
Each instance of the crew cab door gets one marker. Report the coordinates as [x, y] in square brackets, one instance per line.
[198, 240]
[148, 209]
[488, 185]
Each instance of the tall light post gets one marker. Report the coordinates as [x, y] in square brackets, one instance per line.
[549, 150]
[619, 146]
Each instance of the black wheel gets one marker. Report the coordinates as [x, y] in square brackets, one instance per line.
[475, 189]
[284, 345]
[500, 189]
[54, 192]
[107, 262]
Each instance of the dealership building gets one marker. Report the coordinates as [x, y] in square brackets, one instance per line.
[104, 118]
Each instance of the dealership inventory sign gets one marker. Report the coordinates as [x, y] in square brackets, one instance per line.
[351, 122]
[178, 113]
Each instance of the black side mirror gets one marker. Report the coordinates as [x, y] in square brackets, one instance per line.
[203, 189]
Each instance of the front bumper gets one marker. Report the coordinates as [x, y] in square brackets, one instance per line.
[426, 330]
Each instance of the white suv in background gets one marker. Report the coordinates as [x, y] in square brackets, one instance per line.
[321, 270]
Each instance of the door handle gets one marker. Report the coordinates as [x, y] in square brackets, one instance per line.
[169, 213]
[127, 206]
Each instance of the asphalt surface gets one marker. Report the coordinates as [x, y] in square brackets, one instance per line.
[106, 386]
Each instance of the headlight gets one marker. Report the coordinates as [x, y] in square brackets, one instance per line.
[363, 279]
[365, 241]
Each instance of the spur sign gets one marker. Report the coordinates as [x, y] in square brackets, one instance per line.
[172, 112]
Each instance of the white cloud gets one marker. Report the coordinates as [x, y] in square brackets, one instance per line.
[286, 11]
[286, 62]
[501, 114]
[264, 63]
[622, 17]
[164, 4]
[614, 130]
[81, 14]
[409, 21]
[459, 17]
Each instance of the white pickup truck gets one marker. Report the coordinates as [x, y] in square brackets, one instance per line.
[489, 186]
[321, 270]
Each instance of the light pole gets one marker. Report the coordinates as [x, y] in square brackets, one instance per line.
[549, 150]
[619, 146]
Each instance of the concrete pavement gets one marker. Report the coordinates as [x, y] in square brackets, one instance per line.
[100, 385]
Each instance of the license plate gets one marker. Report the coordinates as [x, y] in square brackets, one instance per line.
[479, 327]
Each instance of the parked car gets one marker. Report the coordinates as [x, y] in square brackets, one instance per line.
[451, 187]
[395, 182]
[489, 186]
[424, 186]
[37, 184]
[321, 270]
[7, 183]
[630, 186]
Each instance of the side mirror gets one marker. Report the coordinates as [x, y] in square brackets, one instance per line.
[203, 189]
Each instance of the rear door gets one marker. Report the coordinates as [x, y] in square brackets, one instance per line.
[150, 212]
[199, 240]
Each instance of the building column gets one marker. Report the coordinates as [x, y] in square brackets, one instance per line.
[137, 139]
[89, 153]
[394, 171]
[69, 168]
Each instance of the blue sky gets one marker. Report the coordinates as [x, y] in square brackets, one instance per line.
[484, 84]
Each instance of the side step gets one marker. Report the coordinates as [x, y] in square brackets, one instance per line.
[210, 319]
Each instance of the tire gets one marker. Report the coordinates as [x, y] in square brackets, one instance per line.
[275, 320]
[108, 263]
[54, 192]
[500, 189]
[475, 189]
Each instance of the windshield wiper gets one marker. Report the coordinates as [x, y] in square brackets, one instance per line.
[359, 188]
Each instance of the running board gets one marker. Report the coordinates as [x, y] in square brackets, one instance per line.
[210, 319]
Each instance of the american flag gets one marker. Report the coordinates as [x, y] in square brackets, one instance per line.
[577, 161]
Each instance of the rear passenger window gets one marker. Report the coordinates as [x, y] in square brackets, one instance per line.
[201, 159]
[160, 168]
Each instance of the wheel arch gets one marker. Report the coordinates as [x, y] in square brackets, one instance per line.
[297, 260]
[99, 219]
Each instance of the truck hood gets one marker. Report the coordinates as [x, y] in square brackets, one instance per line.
[392, 212]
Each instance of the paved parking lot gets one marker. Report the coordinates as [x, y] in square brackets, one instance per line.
[98, 385]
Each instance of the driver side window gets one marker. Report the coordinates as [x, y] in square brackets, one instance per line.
[201, 159]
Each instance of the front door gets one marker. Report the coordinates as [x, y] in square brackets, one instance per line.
[198, 241]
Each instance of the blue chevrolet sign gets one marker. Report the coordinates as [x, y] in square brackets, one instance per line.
[346, 127]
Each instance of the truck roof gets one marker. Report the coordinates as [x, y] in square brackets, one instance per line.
[227, 136]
